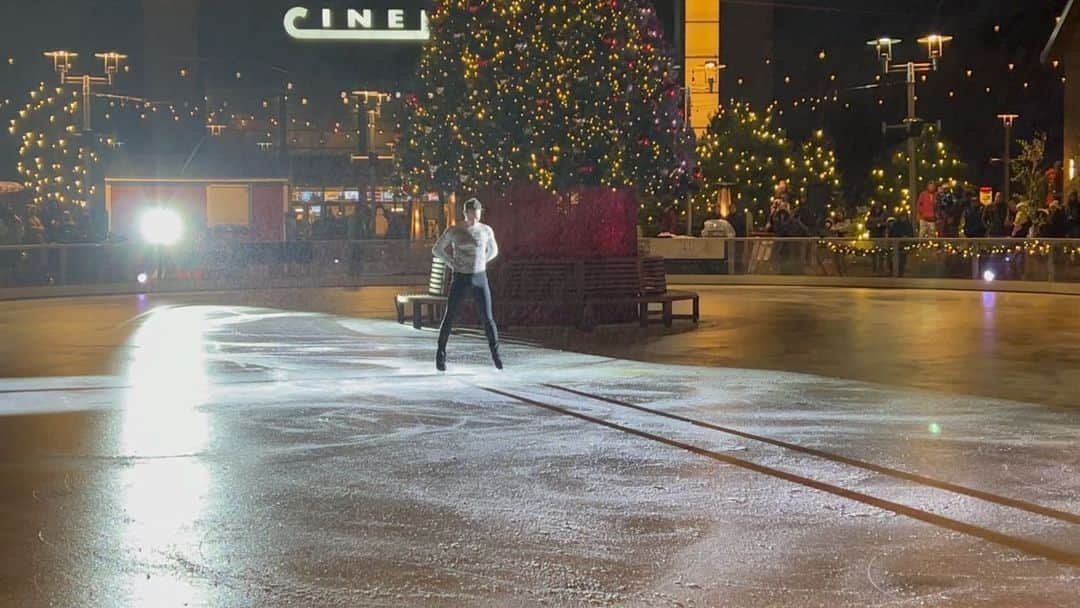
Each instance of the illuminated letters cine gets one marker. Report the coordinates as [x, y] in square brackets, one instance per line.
[353, 24]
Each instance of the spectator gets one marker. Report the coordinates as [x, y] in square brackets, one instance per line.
[781, 195]
[900, 229]
[878, 225]
[1057, 222]
[974, 226]
[1053, 183]
[668, 220]
[1023, 221]
[1072, 213]
[382, 223]
[738, 222]
[877, 222]
[66, 230]
[926, 205]
[34, 229]
[996, 216]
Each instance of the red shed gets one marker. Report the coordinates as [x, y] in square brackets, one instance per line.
[248, 209]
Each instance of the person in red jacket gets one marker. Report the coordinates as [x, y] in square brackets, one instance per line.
[925, 208]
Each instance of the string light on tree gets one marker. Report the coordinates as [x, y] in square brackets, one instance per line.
[582, 92]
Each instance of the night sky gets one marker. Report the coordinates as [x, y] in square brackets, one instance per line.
[247, 36]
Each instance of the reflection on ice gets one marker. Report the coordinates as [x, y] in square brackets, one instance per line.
[168, 380]
[164, 488]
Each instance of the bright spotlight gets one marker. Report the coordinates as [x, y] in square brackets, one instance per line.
[989, 276]
[141, 278]
[161, 226]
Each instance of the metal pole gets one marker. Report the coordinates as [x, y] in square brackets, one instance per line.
[86, 103]
[688, 126]
[913, 178]
[1008, 177]
[689, 214]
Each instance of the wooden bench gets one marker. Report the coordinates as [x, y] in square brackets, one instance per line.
[546, 287]
[556, 289]
[654, 291]
[609, 283]
[433, 302]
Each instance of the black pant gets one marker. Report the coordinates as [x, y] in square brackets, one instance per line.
[462, 286]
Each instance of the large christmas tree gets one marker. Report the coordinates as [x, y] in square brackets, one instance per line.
[560, 94]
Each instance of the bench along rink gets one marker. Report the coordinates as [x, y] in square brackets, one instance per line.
[246, 456]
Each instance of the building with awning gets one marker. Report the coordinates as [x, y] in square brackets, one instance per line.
[1064, 46]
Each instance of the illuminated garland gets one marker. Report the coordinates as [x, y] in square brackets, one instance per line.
[1035, 247]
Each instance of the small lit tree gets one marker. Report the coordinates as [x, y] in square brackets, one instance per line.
[743, 147]
[1026, 169]
[935, 160]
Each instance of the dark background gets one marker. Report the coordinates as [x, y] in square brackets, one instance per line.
[247, 36]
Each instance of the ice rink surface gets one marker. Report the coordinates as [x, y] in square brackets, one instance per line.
[801, 448]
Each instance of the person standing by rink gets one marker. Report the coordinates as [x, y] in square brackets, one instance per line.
[467, 248]
[926, 207]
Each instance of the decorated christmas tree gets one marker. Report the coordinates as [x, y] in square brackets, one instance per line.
[935, 159]
[558, 94]
[745, 148]
[53, 156]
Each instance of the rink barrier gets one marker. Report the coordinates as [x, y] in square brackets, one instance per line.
[1021, 265]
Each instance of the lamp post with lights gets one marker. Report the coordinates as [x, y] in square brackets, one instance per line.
[62, 64]
[1007, 120]
[935, 47]
[369, 106]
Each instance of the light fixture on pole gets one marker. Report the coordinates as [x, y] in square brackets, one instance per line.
[912, 124]
[1007, 120]
[369, 105]
[62, 63]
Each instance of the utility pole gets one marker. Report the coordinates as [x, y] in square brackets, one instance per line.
[62, 64]
[62, 61]
[935, 45]
[368, 111]
[912, 143]
[1007, 120]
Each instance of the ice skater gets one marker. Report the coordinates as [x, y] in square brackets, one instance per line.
[466, 249]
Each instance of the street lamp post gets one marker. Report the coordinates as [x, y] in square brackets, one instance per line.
[62, 61]
[711, 69]
[370, 107]
[935, 47]
[1007, 120]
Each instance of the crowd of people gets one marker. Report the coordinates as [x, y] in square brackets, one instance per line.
[362, 225]
[33, 225]
[949, 212]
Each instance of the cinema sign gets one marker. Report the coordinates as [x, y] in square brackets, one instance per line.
[354, 25]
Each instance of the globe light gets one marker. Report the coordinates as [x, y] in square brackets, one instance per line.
[141, 278]
[989, 276]
[161, 226]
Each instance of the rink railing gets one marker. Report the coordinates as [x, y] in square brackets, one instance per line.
[239, 263]
[1033, 260]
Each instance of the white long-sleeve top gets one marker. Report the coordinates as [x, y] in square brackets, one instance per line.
[473, 247]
